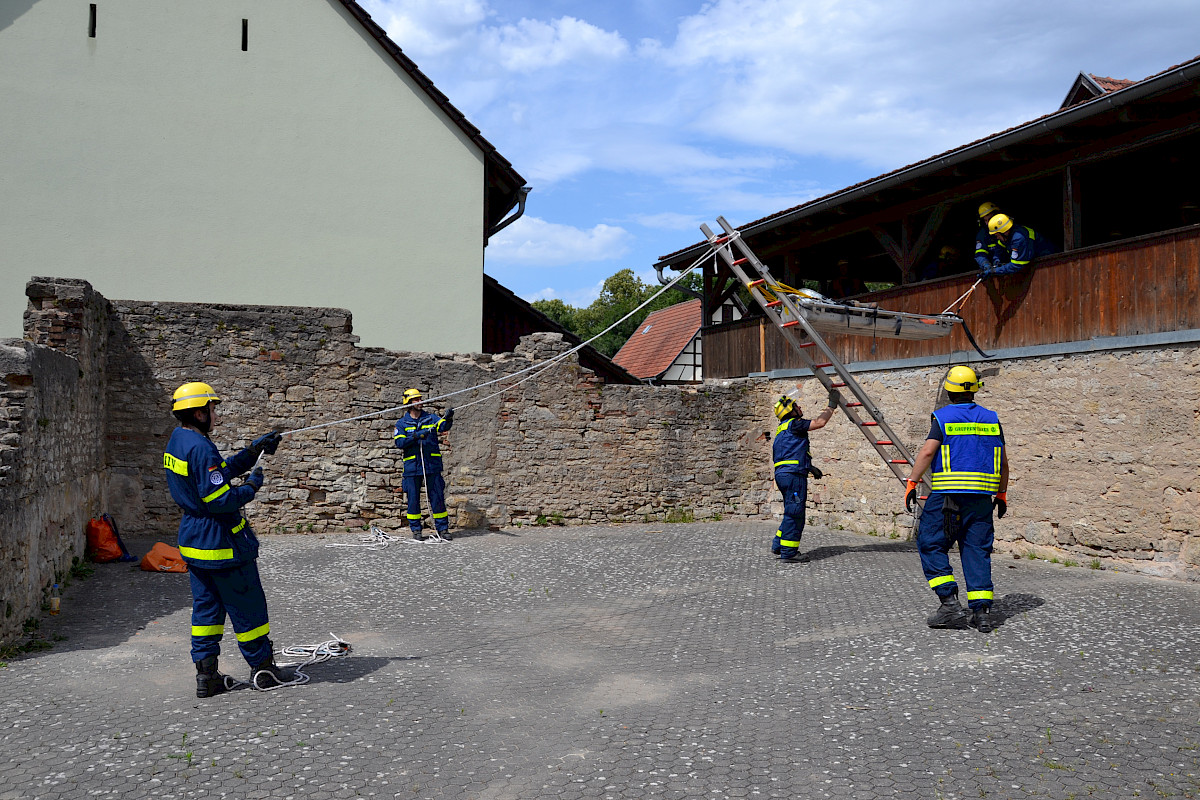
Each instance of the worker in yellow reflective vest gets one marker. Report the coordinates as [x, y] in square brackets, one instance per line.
[965, 447]
[793, 465]
[217, 542]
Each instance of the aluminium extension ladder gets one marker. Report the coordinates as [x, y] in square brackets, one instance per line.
[805, 339]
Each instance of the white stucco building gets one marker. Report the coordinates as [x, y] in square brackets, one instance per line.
[282, 152]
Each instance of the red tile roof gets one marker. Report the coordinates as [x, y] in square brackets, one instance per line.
[659, 340]
[1111, 84]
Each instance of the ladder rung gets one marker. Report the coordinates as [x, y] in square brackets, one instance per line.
[897, 460]
[790, 324]
[774, 303]
[869, 424]
[808, 344]
[822, 366]
[885, 441]
[837, 386]
[853, 405]
[740, 261]
[753, 284]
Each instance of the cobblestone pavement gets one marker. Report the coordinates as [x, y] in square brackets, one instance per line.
[633, 661]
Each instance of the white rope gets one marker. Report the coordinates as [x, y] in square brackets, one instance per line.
[540, 367]
[377, 540]
[336, 647]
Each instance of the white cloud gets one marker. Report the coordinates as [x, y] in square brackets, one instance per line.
[532, 45]
[531, 240]
[579, 298]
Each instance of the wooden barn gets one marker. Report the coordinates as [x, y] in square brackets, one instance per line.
[1110, 177]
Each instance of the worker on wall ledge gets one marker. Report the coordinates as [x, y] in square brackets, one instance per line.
[217, 542]
[793, 465]
[987, 247]
[1019, 246]
[417, 436]
[965, 446]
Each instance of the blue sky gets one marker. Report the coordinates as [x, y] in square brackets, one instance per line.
[636, 120]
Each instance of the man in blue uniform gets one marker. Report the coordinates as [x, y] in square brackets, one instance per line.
[966, 450]
[987, 248]
[217, 542]
[1019, 245]
[793, 465]
[417, 435]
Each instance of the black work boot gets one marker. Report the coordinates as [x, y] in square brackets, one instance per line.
[445, 535]
[267, 675]
[209, 681]
[949, 614]
[420, 537]
[983, 620]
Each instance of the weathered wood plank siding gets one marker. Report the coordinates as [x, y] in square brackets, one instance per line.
[1146, 285]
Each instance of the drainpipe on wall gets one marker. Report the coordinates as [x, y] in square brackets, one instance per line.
[522, 193]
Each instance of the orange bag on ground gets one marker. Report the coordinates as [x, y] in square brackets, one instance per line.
[104, 543]
[163, 558]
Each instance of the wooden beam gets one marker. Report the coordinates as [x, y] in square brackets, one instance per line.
[1072, 224]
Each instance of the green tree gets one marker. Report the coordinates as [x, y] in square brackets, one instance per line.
[621, 293]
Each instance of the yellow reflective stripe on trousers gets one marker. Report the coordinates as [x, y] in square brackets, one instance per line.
[178, 466]
[409, 458]
[938, 581]
[216, 494]
[208, 630]
[254, 633]
[789, 543]
[442, 515]
[979, 595]
[793, 461]
[413, 516]
[206, 555]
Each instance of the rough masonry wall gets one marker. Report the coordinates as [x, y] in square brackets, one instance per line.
[51, 443]
[1103, 451]
[1103, 446]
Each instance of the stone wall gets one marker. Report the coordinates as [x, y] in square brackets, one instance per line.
[52, 409]
[1103, 445]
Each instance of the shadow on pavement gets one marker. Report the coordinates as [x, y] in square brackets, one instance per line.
[831, 551]
[1011, 605]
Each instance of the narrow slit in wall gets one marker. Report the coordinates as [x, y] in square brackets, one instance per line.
[245, 35]
[92, 21]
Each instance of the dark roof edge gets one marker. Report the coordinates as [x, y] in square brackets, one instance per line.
[443, 102]
[566, 334]
[1058, 119]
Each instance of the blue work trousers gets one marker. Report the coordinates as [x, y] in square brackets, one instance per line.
[791, 527]
[971, 527]
[412, 485]
[236, 591]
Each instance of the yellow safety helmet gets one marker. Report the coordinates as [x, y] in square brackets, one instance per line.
[999, 224]
[412, 396]
[986, 209]
[962, 379]
[784, 406]
[193, 395]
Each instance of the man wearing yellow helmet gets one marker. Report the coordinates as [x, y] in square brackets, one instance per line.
[417, 436]
[216, 541]
[1017, 246]
[987, 249]
[965, 447]
[793, 465]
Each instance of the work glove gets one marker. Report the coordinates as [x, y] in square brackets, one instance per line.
[1000, 504]
[834, 397]
[910, 496]
[985, 272]
[267, 443]
[255, 479]
[449, 414]
[816, 473]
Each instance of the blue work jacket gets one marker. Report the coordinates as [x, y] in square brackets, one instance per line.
[213, 533]
[987, 249]
[1026, 245]
[419, 437]
[972, 450]
[789, 451]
